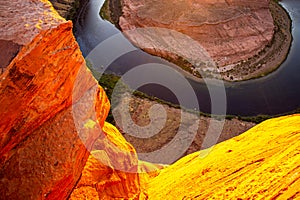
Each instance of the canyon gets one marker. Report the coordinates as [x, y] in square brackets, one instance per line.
[230, 40]
[56, 144]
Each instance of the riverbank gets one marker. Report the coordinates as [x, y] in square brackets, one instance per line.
[66, 8]
[139, 105]
[272, 56]
[267, 60]
[175, 118]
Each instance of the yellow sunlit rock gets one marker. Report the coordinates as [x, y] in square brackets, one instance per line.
[262, 163]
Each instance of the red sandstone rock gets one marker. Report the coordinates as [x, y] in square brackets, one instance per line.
[43, 147]
[230, 31]
[111, 170]
[52, 112]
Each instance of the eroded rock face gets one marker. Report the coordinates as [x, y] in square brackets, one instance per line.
[41, 153]
[230, 31]
[20, 22]
[52, 109]
[11, 50]
[111, 170]
[53, 113]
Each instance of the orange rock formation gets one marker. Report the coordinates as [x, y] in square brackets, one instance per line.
[42, 152]
[53, 114]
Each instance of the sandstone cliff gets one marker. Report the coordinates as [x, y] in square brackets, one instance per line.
[52, 109]
[262, 163]
[229, 30]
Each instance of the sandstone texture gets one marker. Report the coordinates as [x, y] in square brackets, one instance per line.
[112, 169]
[230, 40]
[262, 163]
[52, 109]
[229, 30]
[20, 23]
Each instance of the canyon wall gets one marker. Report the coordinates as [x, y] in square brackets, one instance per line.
[52, 109]
[66, 8]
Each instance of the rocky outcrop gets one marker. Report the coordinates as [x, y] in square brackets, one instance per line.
[207, 38]
[229, 30]
[262, 163]
[11, 50]
[41, 155]
[112, 169]
[20, 25]
[52, 109]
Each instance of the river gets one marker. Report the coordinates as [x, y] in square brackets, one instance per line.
[276, 93]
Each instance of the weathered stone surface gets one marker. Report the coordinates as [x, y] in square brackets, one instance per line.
[11, 50]
[111, 170]
[52, 114]
[38, 84]
[262, 163]
[230, 31]
[21, 21]
[47, 164]
[43, 148]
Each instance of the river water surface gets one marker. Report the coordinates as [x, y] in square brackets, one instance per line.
[276, 93]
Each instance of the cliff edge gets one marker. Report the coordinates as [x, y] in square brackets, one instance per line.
[52, 109]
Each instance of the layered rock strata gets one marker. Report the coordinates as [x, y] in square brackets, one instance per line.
[52, 109]
[233, 40]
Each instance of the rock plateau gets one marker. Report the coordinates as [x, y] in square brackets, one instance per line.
[235, 38]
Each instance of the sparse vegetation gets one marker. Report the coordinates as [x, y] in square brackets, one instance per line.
[248, 66]
[72, 13]
[111, 11]
[109, 81]
[105, 12]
